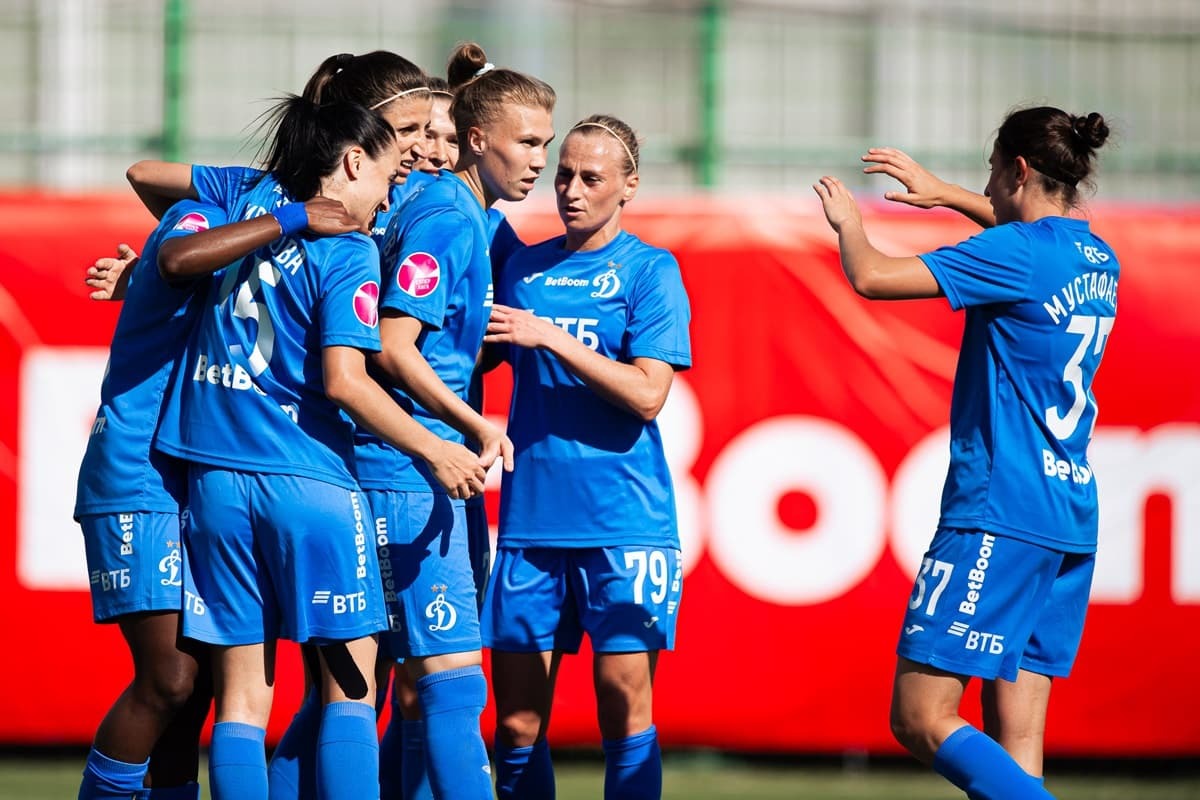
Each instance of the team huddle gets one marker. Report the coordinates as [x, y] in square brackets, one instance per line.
[290, 444]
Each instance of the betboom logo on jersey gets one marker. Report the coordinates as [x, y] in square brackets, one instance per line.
[231, 376]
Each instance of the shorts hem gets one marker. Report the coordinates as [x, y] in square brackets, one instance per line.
[957, 668]
[114, 615]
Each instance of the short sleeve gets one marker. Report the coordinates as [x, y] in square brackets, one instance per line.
[188, 216]
[349, 293]
[504, 243]
[418, 259]
[222, 186]
[995, 266]
[659, 314]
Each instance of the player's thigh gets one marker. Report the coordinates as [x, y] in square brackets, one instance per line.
[974, 603]
[627, 596]
[528, 607]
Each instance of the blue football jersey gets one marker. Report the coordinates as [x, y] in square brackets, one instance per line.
[1041, 299]
[251, 395]
[437, 269]
[397, 196]
[120, 470]
[587, 473]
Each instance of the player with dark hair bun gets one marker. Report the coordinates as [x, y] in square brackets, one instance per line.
[1002, 592]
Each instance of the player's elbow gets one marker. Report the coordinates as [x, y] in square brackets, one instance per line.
[173, 261]
[137, 173]
[341, 388]
[647, 407]
[867, 283]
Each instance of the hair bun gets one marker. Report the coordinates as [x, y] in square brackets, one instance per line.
[465, 64]
[1091, 130]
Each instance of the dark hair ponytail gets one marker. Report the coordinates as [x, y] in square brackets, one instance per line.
[371, 80]
[1060, 146]
[308, 140]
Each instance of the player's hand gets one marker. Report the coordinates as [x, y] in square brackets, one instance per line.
[494, 444]
[838, 203]
[109, 277]
[328, 217]
[509, 325]
[458, 469]
[923, 189]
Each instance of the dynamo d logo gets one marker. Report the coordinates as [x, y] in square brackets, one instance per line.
[607, 284]
[440, 611]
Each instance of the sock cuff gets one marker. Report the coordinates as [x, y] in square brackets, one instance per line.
[426, 681]
[459, 689]
[111, 766]
[945, 753]
[350, 708]
[629, 742]
[240, 730]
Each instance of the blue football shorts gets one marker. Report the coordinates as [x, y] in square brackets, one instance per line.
[425, 564]
[988, 606]
[479, 543]
[545, 598]
[134, 562]
[278, 556]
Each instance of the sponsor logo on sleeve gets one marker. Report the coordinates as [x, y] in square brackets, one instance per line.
[366, 304]
[418, 275]
[193, 221]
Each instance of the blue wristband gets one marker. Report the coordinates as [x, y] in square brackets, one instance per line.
[292, 218]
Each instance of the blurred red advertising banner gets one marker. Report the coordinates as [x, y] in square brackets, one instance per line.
[808, 445]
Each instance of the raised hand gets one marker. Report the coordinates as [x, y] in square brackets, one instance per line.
[923, 189]
[109, 277]
[837, 202]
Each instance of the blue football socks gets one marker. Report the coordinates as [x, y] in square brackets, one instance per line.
[105, 777]
[237, 762]
[524, 772]
[292, 773]
[633, 767]
[348, 752]
[977, 764]
[455, 754]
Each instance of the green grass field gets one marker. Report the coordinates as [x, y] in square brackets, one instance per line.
[709, 777]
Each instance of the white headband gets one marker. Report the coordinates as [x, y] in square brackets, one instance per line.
[488, 67]
[398, 95]
[442, 93]
[613, 133]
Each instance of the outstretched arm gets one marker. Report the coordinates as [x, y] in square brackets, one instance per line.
[639, 387]
[872, 274]
[923, 189]
[208, 251]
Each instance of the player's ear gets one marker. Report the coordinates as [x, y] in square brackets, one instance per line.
[475, 141]
[631, 187]
[352, 161]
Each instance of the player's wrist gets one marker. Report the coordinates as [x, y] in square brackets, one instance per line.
[292, 218]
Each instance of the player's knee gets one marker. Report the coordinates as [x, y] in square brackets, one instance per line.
[910, 726]
[518, 728]
[168, 686]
